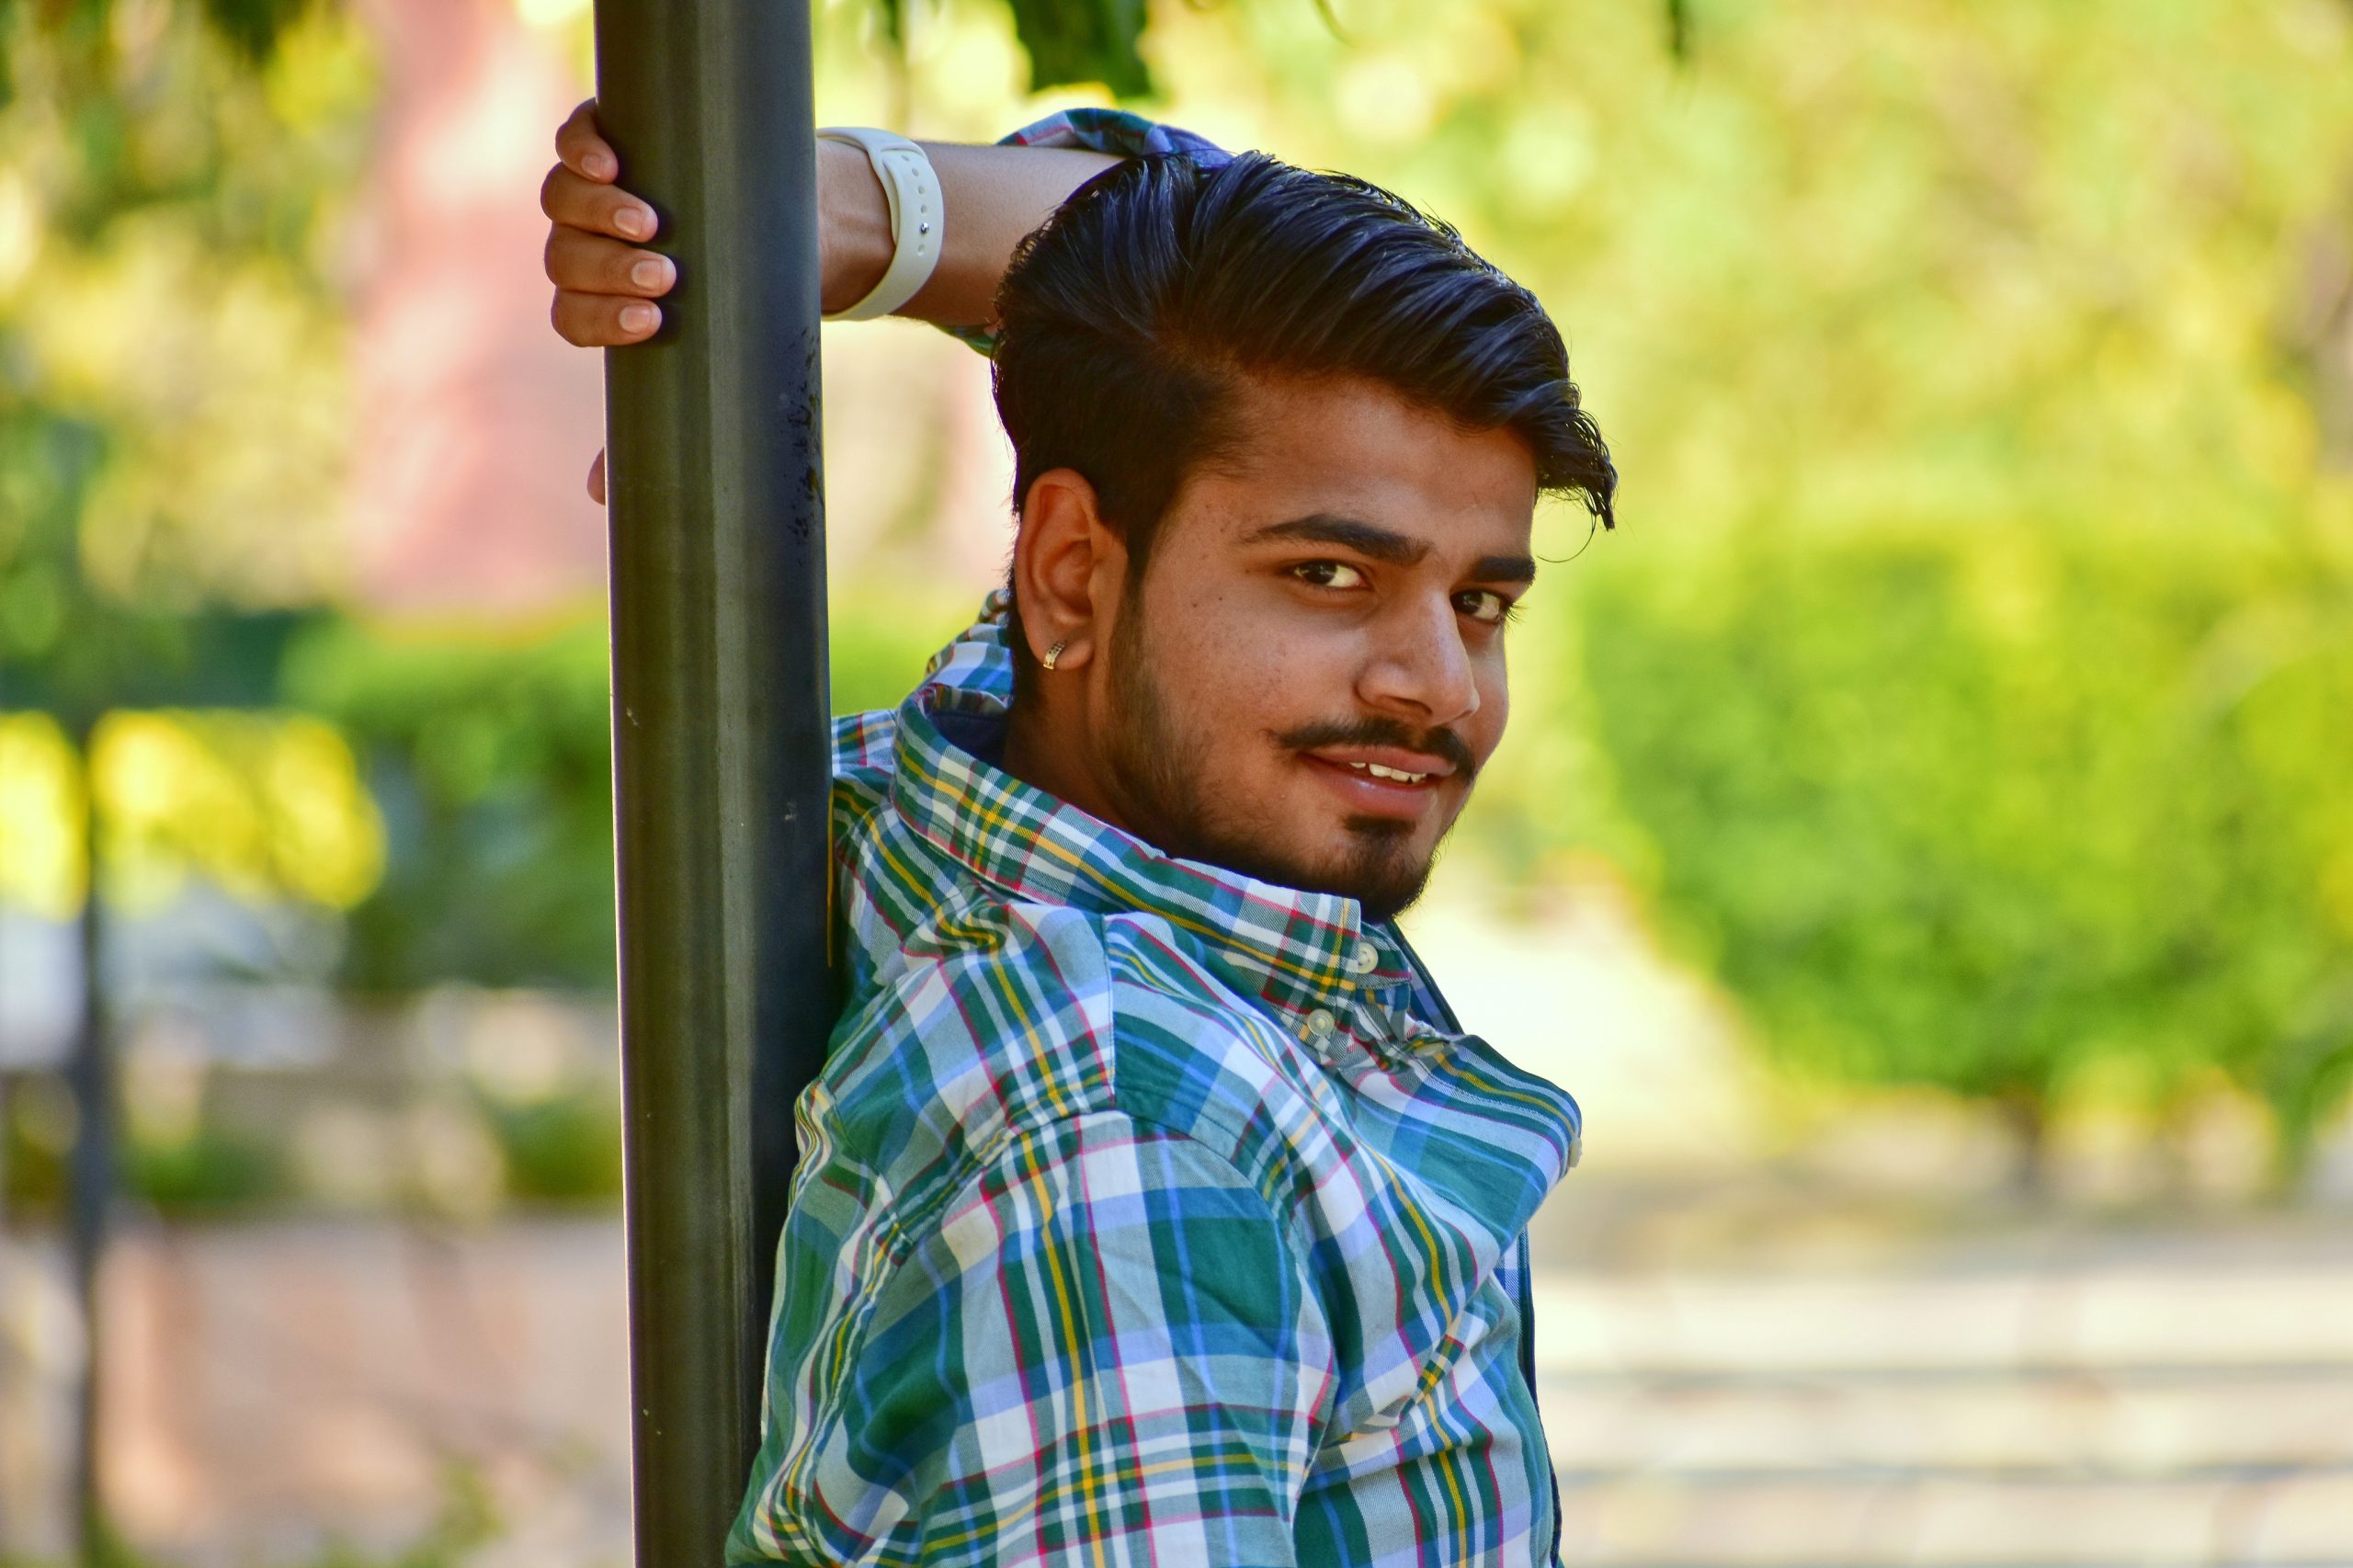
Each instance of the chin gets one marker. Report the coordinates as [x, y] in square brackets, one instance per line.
[1376, 866]
[1380, 866]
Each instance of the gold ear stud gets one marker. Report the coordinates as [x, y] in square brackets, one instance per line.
[1053, 654]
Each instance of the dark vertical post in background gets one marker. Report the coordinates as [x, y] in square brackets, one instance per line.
[89, 1076]
[720, 715]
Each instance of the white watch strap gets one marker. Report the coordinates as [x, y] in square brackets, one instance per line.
[913, 190]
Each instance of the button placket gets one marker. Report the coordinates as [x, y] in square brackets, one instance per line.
[1325, 1034]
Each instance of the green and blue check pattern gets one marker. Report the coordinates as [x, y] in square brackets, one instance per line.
[1147, 1213]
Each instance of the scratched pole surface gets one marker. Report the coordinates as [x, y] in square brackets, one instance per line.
[720, 712]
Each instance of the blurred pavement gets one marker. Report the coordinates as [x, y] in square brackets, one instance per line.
[1757, 1344]
[2161, 1396]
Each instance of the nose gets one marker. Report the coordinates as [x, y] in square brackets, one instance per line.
[1419, 666]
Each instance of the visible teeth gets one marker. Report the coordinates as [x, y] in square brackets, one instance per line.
[1380, 772]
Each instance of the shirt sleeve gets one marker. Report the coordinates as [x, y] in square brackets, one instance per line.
[1112, 130]
[1103, 1351]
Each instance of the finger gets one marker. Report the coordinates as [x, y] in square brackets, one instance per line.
[578, 203]
[601, 320]
[590, 264]
[597, 478]
[582, 149]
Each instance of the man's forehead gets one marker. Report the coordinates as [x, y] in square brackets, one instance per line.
[1349, 448]
[1293, 417]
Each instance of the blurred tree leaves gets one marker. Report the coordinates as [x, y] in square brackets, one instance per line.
[1995, 808]
[252, 27]
[1074, 42]
[490, 760]
[1966, 681]
[172, 408]
[1083, 41]
[1067, 42]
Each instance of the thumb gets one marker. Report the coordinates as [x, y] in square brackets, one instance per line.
[597, 478]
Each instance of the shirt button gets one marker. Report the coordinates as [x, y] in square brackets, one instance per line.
[1366, 957]
[1320, 1023]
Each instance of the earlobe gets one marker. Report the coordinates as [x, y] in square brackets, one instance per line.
[1059, 558]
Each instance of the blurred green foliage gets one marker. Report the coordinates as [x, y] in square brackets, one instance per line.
[490, 760]
[1968, 682]
[560, 1148]
[563, 1149]
[204, 1168]
[1995, 808]
[34, 1142]
[167, 212]
[1083, 41]
[491, 764]
[172, 177]
[1912, 260]
[211, 1171]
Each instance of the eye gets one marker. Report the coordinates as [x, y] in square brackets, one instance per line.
[1486, 605]
[1328, 574]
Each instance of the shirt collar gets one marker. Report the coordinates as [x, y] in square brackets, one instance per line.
[1301, 952]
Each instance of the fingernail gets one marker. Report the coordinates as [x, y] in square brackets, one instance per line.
[634, 221]
[651, 273]
[600, 165]
[639, 318]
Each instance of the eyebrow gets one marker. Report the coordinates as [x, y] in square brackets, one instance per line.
[1504, 569]
[1377, 543]
[1369, 539]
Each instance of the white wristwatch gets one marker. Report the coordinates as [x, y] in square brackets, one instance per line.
[912, 189]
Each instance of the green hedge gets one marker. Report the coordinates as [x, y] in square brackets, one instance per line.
[1986, 808]
[491, 761]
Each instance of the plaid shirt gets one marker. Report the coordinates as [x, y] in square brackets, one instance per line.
[1147, 1213]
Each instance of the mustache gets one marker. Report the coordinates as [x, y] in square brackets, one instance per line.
[1440, 742]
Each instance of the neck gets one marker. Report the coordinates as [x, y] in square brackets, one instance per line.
[1054, 751]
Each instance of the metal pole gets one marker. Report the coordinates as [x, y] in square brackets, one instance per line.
[720, 723]
[89, 1074]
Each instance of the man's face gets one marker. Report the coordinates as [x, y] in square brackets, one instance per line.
[1311, 673]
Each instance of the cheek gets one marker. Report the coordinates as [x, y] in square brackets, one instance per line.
[1238, 668]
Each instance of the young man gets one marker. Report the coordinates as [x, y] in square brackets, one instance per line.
[1153, 1207]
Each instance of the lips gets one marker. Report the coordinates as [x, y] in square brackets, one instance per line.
[1380, 780]
[1390, 764]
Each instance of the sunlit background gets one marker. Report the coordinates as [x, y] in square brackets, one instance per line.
[1924, 843]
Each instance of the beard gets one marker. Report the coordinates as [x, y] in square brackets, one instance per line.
[1175, 807]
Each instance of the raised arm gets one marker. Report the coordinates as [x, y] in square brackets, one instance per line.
[606, 283]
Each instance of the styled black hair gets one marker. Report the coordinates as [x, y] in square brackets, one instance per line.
[1128, 316]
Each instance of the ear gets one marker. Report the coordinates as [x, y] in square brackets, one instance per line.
[1067, 567]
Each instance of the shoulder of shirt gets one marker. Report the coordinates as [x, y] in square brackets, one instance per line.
[998, 1018]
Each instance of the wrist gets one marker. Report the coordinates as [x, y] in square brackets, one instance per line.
[854, 226]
